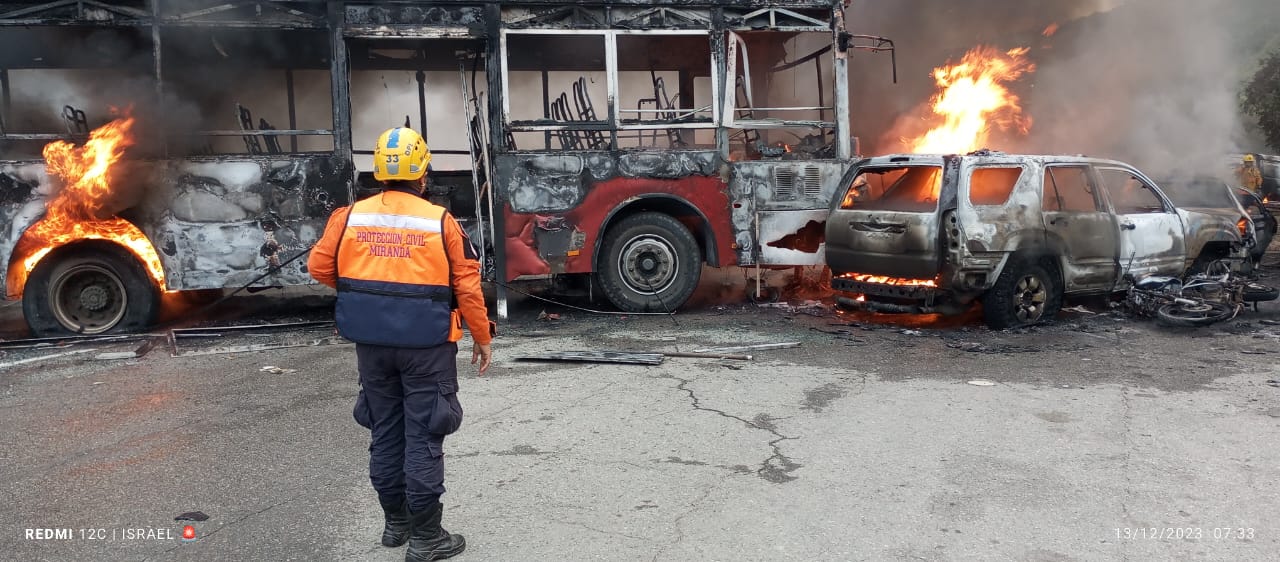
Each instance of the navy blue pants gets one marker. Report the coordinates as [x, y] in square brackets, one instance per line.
[410, 404]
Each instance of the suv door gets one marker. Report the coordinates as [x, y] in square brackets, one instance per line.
[1076, 220]
[1151, 234]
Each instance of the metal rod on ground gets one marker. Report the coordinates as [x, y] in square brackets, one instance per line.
[4, 366]
[283, 325]
[762, 346]
[706, 355]
[70, 340]
[259, 347]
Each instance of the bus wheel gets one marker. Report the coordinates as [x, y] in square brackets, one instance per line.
[89, 291]
[649, 262]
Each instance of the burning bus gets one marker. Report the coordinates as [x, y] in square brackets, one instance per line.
[150, 147]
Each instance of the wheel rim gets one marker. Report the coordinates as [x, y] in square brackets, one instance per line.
[88, 299]
[648, 264]
[1199, 311]
[1029, 298]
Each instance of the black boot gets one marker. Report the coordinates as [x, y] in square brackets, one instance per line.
[396, 531]
[428, 540]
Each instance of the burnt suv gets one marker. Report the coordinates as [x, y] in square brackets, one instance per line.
[922, 233]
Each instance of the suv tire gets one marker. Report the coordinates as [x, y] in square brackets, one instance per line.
[1026, 293]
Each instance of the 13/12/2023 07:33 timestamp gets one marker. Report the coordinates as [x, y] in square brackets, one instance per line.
[1185, 533]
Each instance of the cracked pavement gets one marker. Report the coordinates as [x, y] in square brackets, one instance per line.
[865, 443]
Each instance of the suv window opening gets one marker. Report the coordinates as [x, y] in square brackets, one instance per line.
[1128, 195]
[1057, 194]
[992, 186]
[914, 189]
[1068, 193]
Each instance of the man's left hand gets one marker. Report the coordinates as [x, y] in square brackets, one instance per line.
[482, 353]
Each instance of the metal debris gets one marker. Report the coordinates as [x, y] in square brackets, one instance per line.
[1079, 309]
[596, 357]
[250, 330]
[276, 370]
[28, 360]
[218, 330]
[761, 346]
[981, 382]
[63, 341]
[707, 355]
[139, 352]
[259, 347]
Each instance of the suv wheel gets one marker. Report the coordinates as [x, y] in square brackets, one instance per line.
[1026, 293]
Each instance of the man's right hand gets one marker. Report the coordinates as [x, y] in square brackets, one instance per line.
[483, 354]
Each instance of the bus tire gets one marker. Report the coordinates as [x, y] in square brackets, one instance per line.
[649, 262]
[89, 290]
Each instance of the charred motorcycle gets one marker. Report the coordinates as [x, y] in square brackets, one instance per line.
[1202, 299]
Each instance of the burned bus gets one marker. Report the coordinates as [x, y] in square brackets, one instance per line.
[149, 147]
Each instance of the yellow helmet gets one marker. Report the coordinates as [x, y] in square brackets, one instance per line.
[401, 154]
[1248, 158]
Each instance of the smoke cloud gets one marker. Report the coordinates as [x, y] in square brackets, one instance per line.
[1151, 82]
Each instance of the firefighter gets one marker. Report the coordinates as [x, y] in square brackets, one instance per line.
[1249, 175]
[407, 277]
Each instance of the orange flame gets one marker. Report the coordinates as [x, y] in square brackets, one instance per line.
[1049, 31]
[972, 97]
[77, 211]
[885, 280]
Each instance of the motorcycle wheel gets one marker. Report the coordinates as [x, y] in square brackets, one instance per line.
[1193, 315]
[1257, 292]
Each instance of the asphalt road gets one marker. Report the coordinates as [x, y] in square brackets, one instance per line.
[1102, 438]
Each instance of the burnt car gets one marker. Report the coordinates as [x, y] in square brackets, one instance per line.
[928, 233]
[1212, 195]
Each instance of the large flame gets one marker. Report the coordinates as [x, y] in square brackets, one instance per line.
[972, 97]
[80, 211]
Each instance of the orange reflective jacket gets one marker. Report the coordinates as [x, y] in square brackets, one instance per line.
[395, 259]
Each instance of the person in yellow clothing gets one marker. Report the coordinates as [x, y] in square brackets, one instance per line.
[1248, 174]
[407, 277]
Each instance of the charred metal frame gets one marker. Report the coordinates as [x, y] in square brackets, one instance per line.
[722, 199]
[153, 15]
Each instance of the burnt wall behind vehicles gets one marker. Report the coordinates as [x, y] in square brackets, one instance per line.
[215, 222]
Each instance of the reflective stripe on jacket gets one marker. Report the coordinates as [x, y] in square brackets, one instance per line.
[393, 274]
